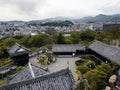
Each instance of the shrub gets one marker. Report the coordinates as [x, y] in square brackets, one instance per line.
[83, 69]
[45, 58]
[19, 68]
[90, 64]
[79, 62]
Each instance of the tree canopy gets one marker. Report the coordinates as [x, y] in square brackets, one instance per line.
[58, 23]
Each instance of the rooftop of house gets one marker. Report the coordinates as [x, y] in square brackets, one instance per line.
[17, 50]
[67, 47]
[28, 72]
[60, 80]
[107, 51]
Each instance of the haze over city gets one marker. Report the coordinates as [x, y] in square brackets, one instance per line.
[41, 9]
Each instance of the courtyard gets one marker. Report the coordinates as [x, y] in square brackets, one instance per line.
[60, 63]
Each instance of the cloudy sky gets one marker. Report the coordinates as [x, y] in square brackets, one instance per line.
[41, 9]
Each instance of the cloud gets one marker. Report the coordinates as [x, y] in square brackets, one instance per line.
[39, 9]
[111, 8]
[26, 9]
[23, 6]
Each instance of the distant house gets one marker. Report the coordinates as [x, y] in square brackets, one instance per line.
[60, 80]
[68, 49]
[28, 72]
[67, 35]
[19, 54]
[105, 52]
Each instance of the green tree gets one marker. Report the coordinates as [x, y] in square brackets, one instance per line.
[75, 37]
[113, 33]
[36, 41]
[98, 77]
[95, 78]
[60, 39]
[9, 41]
[100, 36]
[25, 40]
[87, 35]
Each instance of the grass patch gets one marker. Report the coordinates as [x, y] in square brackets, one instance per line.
[5, 61]
[3, 81]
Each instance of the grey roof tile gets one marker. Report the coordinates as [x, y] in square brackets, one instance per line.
[17, 50]
[107, 51]
[25, 74]
[67, 47]
[61, 80]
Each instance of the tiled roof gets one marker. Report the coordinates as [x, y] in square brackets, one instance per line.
[26, 74]
[17, 50]
[107, 51]
[61, 80]
[67, 47]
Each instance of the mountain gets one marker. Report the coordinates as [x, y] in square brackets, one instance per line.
[58, 23]
[51, 20]
[14, 22]
[100, 18]
[38, 21]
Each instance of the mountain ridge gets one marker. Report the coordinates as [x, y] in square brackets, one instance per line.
[98, 18]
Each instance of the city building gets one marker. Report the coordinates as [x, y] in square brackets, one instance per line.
[111, 26]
